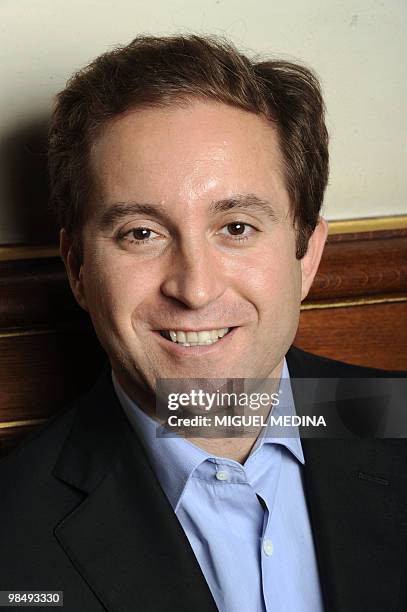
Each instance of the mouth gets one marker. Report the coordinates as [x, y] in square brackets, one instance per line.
[196, 338]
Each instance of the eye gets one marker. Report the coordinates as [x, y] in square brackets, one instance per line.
[238, 231]
[138, 235]
[141, 233]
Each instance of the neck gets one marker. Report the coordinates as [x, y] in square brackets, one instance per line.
[237, 447]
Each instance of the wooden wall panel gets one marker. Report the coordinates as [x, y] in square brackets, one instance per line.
[355, 266]
[372, 334]
[356, 312]
[42, 371]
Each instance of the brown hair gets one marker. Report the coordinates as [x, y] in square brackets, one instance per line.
[158, 71]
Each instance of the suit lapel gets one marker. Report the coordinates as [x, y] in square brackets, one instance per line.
[354, 494]
[124, 538]
[126, 543]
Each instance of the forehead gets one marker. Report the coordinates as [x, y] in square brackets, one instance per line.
[196, 152]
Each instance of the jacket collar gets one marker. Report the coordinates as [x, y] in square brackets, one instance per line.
[125, 529]
[124, 538]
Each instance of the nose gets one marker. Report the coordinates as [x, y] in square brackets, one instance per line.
[194, 275]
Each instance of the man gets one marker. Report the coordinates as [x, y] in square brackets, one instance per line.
[188, 181]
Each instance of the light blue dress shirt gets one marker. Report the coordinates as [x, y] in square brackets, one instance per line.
[248, 525]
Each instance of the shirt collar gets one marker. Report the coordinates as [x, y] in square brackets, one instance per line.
[273, 435]
[174, 459]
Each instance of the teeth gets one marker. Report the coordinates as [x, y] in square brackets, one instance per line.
[203, 336]
[193, 338]
[179, 337]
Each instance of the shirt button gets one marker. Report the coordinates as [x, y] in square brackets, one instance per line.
[268, 547]
[222, 475]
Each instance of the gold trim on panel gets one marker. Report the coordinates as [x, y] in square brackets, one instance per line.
[18, 251]
[307, 306]
[26, 423]
[38, 332]
[346, 226]
[46, 331]
[347, 303]
[373, 224]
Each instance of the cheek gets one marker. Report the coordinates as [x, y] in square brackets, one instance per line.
[273, 278]
[109, 293]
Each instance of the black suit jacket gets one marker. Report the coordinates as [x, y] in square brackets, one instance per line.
[81, 511]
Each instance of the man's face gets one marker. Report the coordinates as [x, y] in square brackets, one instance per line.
[191, 231]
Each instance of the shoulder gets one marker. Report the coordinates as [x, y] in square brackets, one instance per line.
[34, 499]
[33, 502]
[33, 448]
[77, 427]
[359, 401]
[42, 446]
[26, 470]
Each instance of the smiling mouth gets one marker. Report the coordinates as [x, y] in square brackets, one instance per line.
[196, 338]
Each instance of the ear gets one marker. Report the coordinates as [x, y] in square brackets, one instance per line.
[311, 259]
[73, 268]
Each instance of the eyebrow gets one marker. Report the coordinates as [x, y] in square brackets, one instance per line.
[122, 210]
[248, 202]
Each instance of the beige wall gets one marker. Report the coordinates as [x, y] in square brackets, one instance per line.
[358, 47]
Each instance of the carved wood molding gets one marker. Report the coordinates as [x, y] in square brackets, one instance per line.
[356, 311]
[364, 264]
[367, 267]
